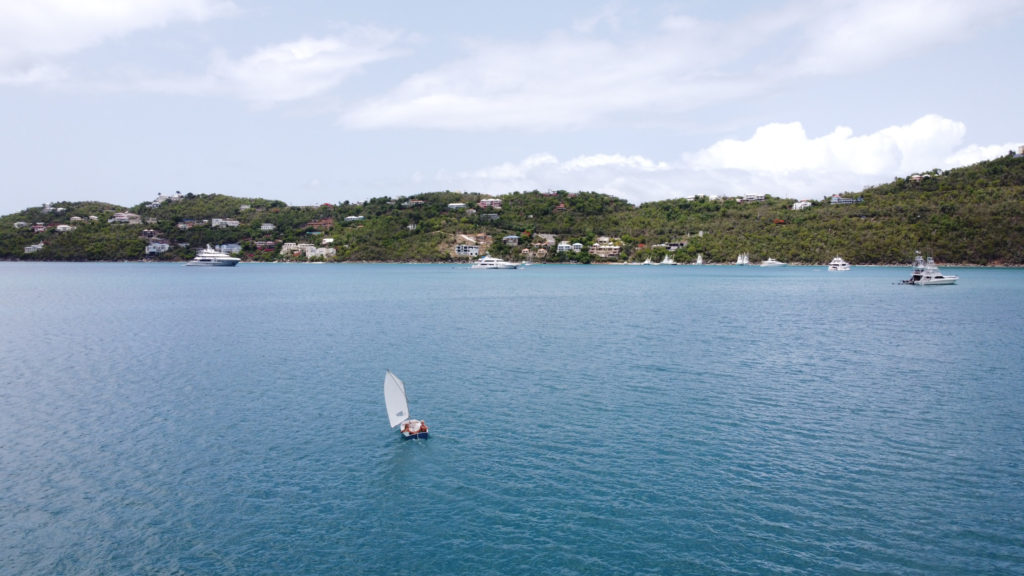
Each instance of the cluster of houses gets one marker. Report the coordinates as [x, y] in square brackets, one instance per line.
[40, 227]
[604, 247]
[310, 251]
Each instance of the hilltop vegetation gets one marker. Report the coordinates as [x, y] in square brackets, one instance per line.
[971, 215]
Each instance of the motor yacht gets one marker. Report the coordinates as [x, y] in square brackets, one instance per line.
[210, 256]
[926, 273]
[489, 262]
[838, 265]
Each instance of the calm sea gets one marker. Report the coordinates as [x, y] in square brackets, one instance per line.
[162, 419]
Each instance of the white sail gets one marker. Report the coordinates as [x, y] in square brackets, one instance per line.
[395, 400]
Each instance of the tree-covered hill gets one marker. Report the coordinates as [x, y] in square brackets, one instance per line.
[970, 215]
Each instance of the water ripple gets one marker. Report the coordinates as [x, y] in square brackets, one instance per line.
[583, 419]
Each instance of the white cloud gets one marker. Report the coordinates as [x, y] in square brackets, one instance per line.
[786, 148]
[778, 159]
[33, 33]
[574, 78]
[303, 68]
[973, 154]
[567, 80]
[614, 161]
[844, 35]
[289, 71]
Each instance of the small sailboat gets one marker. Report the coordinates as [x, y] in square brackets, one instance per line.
[700, 259]
[398, 408]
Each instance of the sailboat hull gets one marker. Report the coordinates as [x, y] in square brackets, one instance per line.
[423, 435]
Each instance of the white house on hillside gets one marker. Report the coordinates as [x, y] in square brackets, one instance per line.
[125, 218]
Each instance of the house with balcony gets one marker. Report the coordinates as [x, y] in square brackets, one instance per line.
[604, 250]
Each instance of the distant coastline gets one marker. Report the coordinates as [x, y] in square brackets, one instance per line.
[963, 217]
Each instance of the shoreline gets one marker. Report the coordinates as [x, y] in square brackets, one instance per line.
[534, 263]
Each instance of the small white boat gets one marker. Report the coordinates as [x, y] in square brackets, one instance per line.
[646, 262]
[397, 404]
[489, 262]
[211, 257]
[668, 261]
[838, 265]
[700, 259]
[743, 259]
[771, 262]
[926, 273]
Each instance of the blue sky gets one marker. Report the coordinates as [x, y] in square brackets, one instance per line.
[317, 101]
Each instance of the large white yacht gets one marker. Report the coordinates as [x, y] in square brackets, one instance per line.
[489, 262]
[838, 265]
[926, 273]
[211, 257]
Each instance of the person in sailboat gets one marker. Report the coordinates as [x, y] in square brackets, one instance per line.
[410, 427]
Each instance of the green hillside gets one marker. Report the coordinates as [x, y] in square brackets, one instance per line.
[971, 215]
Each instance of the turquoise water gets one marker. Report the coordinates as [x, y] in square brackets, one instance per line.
[162, 419]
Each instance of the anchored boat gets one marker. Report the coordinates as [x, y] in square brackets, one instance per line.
[926, 273]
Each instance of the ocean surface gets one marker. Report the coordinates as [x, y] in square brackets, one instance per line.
[163, 419]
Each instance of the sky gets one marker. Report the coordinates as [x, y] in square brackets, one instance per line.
[318, 101]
